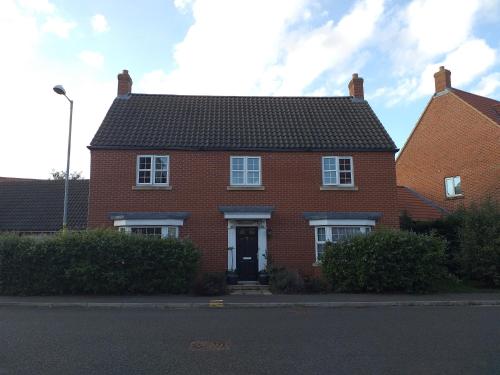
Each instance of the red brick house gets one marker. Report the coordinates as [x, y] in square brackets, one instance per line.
[248, 179]
[452, 157]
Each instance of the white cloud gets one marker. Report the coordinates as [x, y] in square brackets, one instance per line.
[92, 58]
[58, 26]
[466, 63]
[429, 34]
[437, 27]
[225, 53]
[328, 47]
[18, 50]
[37, 118]
[182, 5]
[42, 6]
[99, 23]
[488, 85]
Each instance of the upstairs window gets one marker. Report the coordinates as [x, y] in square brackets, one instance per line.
[453, 186]
[152, 170]
[338, 170]
[245, 170]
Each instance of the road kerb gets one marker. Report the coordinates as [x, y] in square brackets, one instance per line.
[248, 305]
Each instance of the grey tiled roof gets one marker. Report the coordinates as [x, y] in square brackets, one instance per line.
[148, 215]
[241, 123]
[28, 205]
[342, 215]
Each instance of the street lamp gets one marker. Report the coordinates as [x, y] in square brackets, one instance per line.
[61, 91]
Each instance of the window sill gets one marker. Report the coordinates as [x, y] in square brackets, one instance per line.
[317, 264]
[151, 187]
[461, 196]
[245, 188]
[336, 187]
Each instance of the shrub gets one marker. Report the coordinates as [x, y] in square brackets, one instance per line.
[479, 235]
[211, 284]
[385, 261]
[473, 241]
[282, 280]
[316, 285]
[95, 262]
[447, 228]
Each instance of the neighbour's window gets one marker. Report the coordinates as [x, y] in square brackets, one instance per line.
[152, 170]
[334, 234]
[338, 170]
[453, 186]
[154, 231]
[245, 170]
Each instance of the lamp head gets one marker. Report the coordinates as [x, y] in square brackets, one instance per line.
[59, 90]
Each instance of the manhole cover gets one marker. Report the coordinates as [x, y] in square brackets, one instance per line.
[209, 346]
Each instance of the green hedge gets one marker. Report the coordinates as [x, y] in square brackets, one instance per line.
[479, 235]
[385, 261]
[473, 241]
[95, 262]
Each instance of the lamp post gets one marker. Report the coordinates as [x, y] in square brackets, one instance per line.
[61, 91]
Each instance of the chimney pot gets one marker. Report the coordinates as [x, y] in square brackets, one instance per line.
[442, 79]
[356, 87]
[124, 83]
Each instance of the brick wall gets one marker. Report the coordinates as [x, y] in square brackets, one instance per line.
[452, 139]
[199, 183]
[416, 207]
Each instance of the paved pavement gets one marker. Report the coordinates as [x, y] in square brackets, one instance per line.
[385, 340]
[317, 300]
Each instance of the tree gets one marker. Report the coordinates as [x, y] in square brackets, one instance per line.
[61, 175]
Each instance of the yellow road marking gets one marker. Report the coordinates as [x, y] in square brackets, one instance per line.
[216, 303]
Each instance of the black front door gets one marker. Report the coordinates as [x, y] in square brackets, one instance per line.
[246, 253]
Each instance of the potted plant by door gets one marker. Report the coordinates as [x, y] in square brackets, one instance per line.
[263, 277]
[231, 274]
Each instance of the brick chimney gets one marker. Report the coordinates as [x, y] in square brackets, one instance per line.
[356, 87]
[124, 83]
[442, 79]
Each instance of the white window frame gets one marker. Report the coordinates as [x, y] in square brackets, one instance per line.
[329, 237]
[245, 171]
[337, 172]
[164, 229]
[452, 179]
[152, 170]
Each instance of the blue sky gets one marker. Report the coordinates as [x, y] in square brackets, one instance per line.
[227, 47]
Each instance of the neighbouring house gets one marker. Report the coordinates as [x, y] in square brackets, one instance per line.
[452, 157]
[250, 180]
[417, 207]
[29, 206]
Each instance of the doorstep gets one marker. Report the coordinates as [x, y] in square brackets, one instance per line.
[249, 288]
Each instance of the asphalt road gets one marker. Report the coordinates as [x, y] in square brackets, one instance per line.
[382, 340]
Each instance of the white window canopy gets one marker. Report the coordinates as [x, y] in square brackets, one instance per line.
[342, 218]
[144, 219]
[246, 212]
